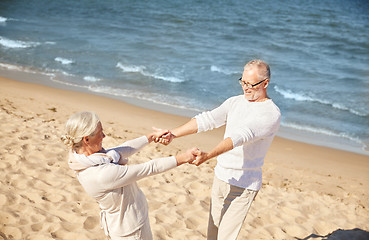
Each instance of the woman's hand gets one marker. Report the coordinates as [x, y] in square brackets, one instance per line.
[158, 132]
[201, 157]
[166, 138]
[188, 156]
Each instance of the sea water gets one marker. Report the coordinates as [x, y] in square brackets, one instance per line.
[190, 55]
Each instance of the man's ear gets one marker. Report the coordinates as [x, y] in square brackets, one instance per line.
[266, 83]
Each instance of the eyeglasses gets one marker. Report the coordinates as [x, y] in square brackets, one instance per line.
[249, 85]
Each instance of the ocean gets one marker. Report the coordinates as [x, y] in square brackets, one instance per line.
[189, 55]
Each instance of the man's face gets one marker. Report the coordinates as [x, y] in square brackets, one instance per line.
[250, 76]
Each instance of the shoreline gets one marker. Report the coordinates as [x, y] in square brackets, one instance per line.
[307, 190]
[284, 132]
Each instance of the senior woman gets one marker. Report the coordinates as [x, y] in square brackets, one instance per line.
[105, 176]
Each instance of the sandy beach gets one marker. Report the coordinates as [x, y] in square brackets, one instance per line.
[309, 192]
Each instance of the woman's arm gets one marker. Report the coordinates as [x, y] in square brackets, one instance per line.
[130, 147]
[120, 176]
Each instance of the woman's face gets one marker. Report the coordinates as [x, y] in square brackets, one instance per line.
[95, 141]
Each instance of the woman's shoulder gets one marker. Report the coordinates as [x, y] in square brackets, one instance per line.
[101, 174]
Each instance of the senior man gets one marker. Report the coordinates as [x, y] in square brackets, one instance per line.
[252, 120]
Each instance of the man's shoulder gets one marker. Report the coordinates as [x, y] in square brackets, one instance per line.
[236, 98]
[274, 107]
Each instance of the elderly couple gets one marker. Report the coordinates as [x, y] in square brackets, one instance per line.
[251, 120]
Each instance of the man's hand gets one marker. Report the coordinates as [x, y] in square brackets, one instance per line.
[224, 146]
[187, 157]
[165, 138]
[201, 157]
[156, 134]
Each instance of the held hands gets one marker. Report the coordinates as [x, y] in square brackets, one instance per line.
[157, 134]
[192, 156]
[201, 157]
[186, 157]
[164, 138]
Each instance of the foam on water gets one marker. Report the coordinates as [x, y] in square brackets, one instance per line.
[25, 69]
[142, 70]
[312, 129]
[289, 94]
[131, 68]
[8, 43]
[91, 79]
[223, 70]
[10, 67]
[63, 60]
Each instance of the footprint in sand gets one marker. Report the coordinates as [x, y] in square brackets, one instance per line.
[91, 223]
[192, 223]
[3, 236]
[70, 226]
[162, 218]
[4, 165]
[12, 232]
[323, 227]
[21, 182]
[7, 218]
[2, 199]
[37, 227]
[53, 197]
[37, 217]
[177, 199]
[295, 230]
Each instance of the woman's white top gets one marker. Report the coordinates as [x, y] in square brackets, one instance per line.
[123, 205]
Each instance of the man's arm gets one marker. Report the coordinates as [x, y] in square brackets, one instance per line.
[186, 129]
[222, 147]
[202, 122]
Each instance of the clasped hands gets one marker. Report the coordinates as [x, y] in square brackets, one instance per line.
[193, 156]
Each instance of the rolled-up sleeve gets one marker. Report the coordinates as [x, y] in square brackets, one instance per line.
[241, 136]
[212, 119]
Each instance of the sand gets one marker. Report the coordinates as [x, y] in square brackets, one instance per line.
[309, 192]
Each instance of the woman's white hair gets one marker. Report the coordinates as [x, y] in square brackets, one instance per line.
[79, 125]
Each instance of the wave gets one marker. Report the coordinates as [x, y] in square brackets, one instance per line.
[288, 94]
[321, 131]
[91, 79]
[142, 70]
[3, 19]
[8, 43]
[152, 97]
[10, 67]
[222, 70]
[54, 75]
[131, 68]
[25, 69]
[63, 61]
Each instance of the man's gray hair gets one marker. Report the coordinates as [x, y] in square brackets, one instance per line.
[262, 67]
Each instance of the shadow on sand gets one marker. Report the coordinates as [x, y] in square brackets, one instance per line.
[340, 234]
